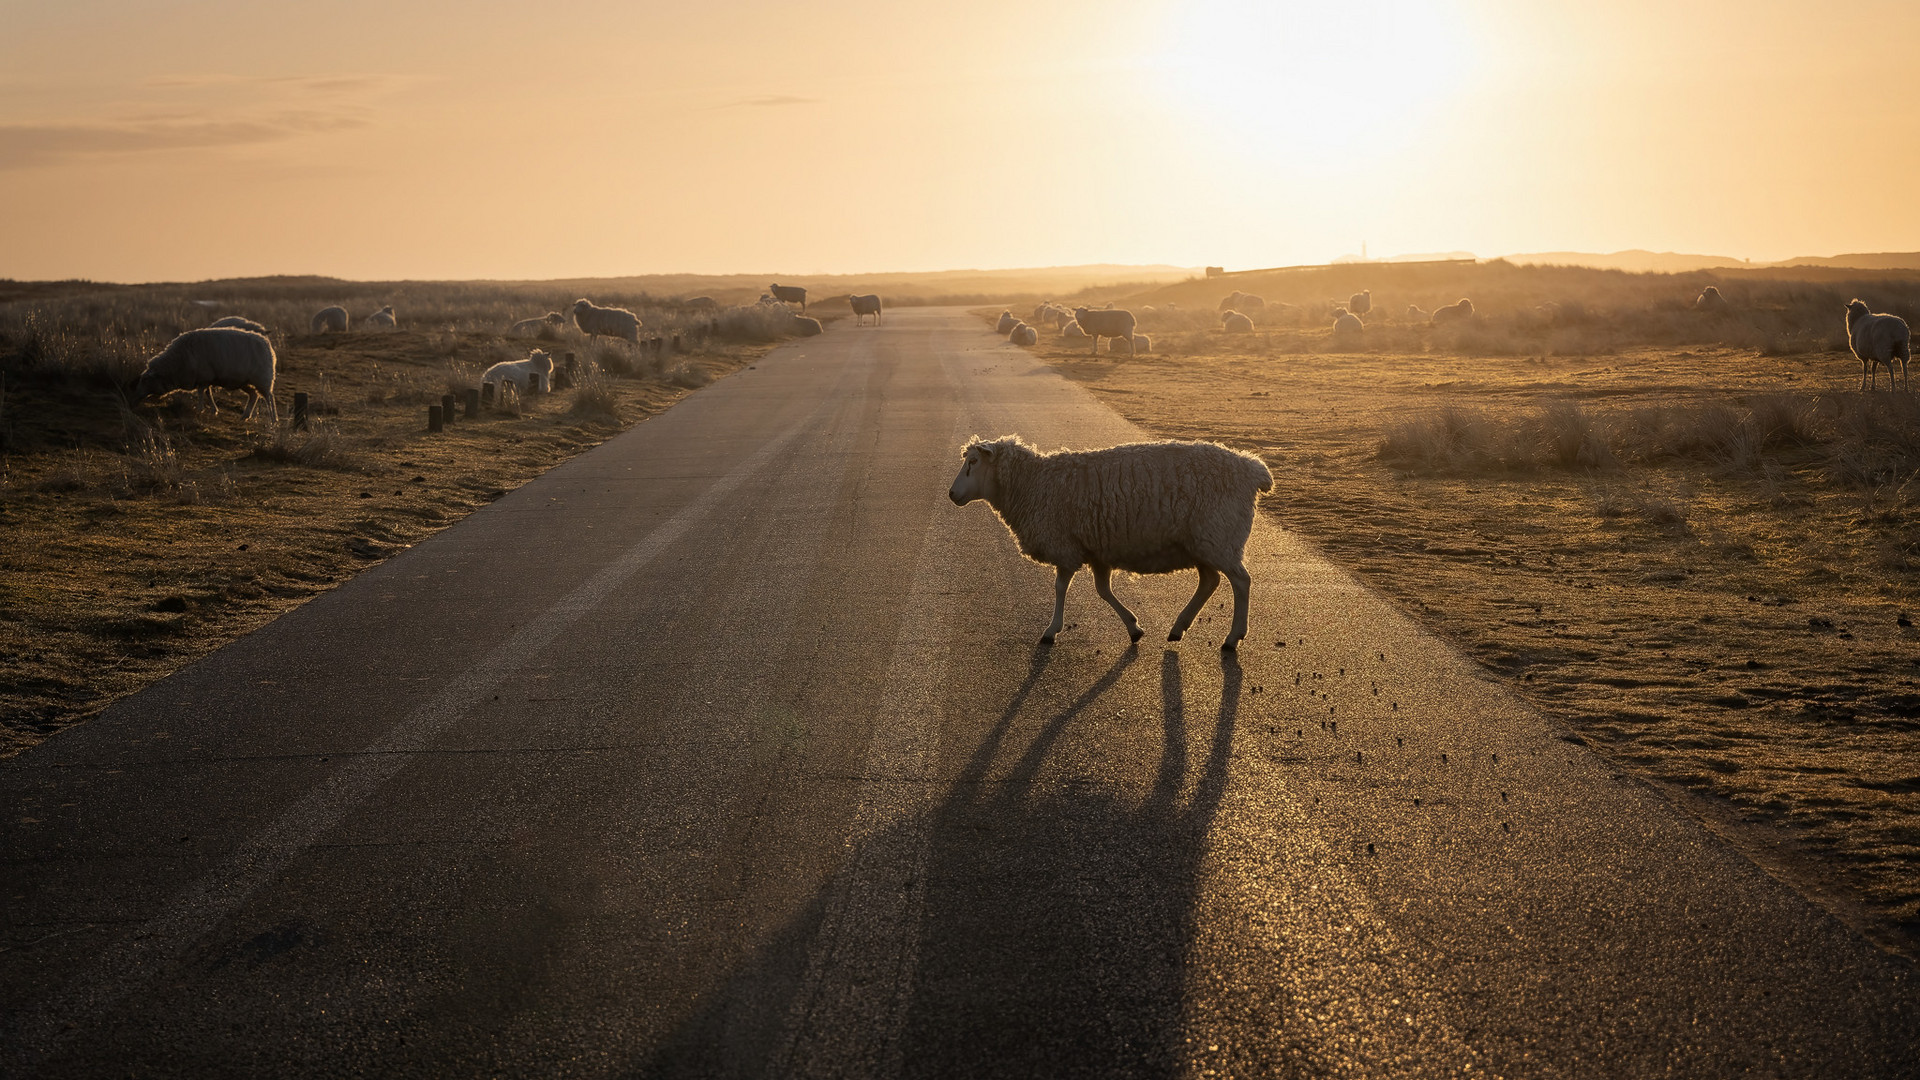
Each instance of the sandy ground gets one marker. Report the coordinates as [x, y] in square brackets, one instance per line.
[1734, 632]
[137, 543]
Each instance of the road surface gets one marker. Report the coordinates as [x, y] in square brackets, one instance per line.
[727, 750]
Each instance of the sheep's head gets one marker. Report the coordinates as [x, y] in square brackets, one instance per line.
[978, 474]
[539, 360]
[582, 305]
[148, 384]
[1856, 310]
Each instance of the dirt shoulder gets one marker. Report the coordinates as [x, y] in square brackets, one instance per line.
[1728, 620]
[139, 540]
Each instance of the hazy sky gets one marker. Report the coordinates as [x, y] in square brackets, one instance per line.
[146, 140]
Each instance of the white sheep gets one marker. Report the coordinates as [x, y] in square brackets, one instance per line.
[224, 356]
[596, 321]
[789, 294]
[1416, 313]
[534, 326]
[1347, 323]
[1141, 343]
[864, 306]
[1878, 340]
[1072, 330]
[1147, 508]
[1361, 302]
[1006, 324]
[701, 303]
[239, 322]
[806, 325]
[1452, 313]
[1024, 335]
[1711, 300]
[1040, 312]
[381, 320]
[1107, 322]
[1235, 323]
[537, 369]
[332, 319]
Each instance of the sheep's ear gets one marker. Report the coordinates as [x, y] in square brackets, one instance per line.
[985, 448]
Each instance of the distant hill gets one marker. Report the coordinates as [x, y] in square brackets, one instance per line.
[1878, 260]
[1634, 261]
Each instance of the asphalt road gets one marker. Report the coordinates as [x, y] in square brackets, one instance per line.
[727, 750]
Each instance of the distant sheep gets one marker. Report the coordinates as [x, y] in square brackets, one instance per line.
[1452, 313]
[1235, 323]
[1024, 335]
[534, 326]
[238, 322]
[789, 294]
[1878, 340]
[701, 303]
[1040, 312]
[381, 320]
[1347, 324]
[1108, 323]
[864, 306]
[1240, 301]
[225, 356]
[1147, 508]
[330, 319]
[1006, 324]
[1416, 313]
[806, 326]
[536, 369]
[1072, 330]
[1361, 302]
[596, 321]
[1711, 300]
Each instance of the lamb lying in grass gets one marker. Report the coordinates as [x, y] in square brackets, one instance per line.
[225, 356]
[534, 326]
[536, 369]
[1148, 508]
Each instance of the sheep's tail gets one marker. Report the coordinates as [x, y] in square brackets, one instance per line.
[1258, 473]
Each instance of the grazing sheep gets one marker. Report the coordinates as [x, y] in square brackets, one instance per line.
[239, 322]
[1024, 335]
[332, 319]
[1006, 324]
[537, 369]
[1108, 322]
[864, 306]
[1452, 313]
[806, 325]
[1147, 508]
[1878, 340]
[701, 303]
[789, 294]
[596, 321]
[533, 326]
[1240, 301]
[1346, 324]
[1235, 323]
[1711, 300]
[1361, 302]
[1416, 313]
[225, 356]
[381, 320]
[1072, 330]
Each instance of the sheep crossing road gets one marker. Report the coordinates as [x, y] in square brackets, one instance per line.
[727, 750]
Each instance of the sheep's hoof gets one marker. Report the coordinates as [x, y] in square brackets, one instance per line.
[1134, 633]
[1046, 639]
[1230, 646]
[1173, 635]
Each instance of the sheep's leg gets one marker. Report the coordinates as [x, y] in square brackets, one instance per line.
[1096, 346]
[1102, 576]
[1242, 583]
[253, 402]
[1209, 581]
[211, 404]
[1062, 577]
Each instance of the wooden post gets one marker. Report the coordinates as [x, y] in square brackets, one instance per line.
[473, 403]
[570, 364]
[486, 393]
[300, 410]
[446, 407]
[676, 343]
[434, 420]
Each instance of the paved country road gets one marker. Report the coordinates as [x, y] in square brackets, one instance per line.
[726, 749]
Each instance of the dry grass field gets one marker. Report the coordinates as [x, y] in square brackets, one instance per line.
[139, 537]
[1687, 536]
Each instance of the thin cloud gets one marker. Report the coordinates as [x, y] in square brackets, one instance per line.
[332, 83]
[767, 101]
[36, 145]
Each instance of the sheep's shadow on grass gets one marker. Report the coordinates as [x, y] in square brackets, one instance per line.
[1059, 909]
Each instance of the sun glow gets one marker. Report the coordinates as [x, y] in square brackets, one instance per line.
[1312, 78]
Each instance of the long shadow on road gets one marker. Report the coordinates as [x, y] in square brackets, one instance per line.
[1059, 903]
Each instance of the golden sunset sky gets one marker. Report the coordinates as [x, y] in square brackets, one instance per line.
[144, 140]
